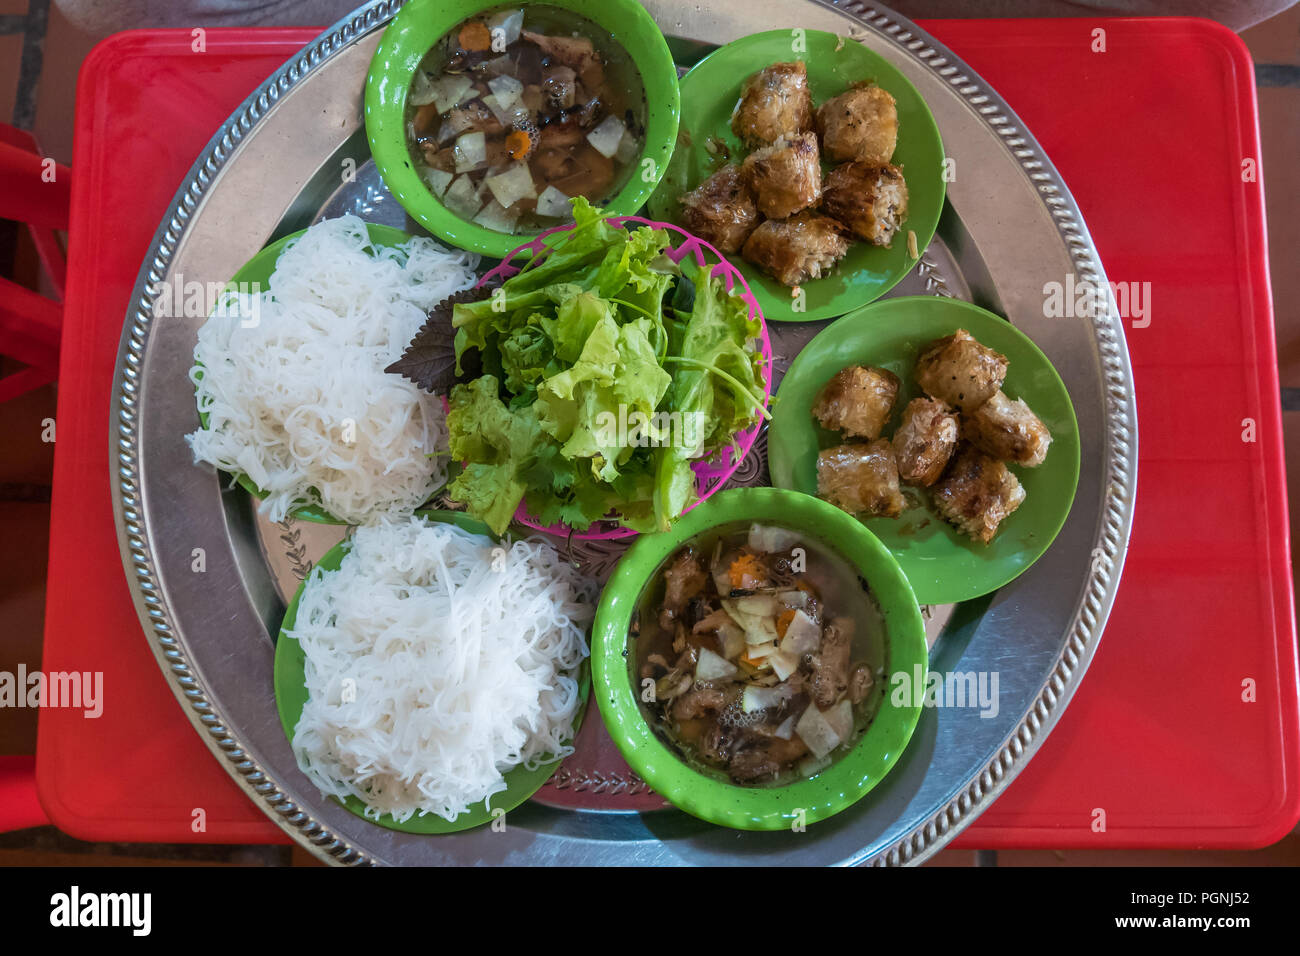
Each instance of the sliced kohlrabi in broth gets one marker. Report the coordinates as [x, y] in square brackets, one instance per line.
[758, 654]
[517, 110]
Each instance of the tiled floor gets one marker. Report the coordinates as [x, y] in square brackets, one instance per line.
[40, 52]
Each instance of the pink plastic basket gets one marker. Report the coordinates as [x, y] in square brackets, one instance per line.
[710, 474]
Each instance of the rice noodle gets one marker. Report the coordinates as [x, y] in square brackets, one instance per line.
[436, 662]
[299, 401]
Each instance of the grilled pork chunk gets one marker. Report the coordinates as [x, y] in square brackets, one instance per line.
[860, 683]
[830, 665]
[762, 756]
[700, 700]
[684, 579]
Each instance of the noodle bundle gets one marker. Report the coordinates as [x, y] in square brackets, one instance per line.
[292, 380]
[436, 662]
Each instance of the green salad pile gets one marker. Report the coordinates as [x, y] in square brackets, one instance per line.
[606, 371]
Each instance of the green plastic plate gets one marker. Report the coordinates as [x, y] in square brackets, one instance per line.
[291, 696]
[944, 565]
[709, 94]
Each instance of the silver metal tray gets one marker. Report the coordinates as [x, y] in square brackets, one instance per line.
[1008, 228]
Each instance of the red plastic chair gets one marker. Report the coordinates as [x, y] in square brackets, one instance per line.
[19, 806]
[35, 191]
[30, 327]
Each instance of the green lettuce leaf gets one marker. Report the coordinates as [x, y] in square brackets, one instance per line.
[717, 385]
[499, 446]
[594, 400]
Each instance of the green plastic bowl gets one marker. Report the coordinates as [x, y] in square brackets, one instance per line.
[421, 23]
[713, 798]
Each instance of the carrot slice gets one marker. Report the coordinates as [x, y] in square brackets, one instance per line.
[783, 621]
[519, 144]
[746, 567]
[475, 36]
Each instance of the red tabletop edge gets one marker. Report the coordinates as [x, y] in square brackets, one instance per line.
[154, 780]
[1156, 69]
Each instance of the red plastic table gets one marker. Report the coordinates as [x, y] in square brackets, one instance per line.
[1184, 731]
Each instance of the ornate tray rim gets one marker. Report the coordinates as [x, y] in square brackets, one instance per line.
[1116, 507]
